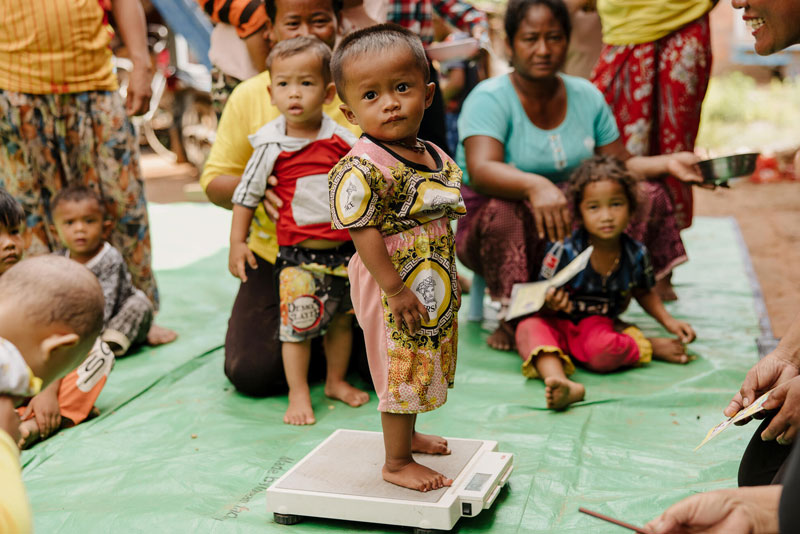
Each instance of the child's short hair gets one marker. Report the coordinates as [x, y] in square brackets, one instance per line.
[52, 289]
[298, 45]
[271, 6]
[11, 213]
[597, 169]
[376, 39]
[76, 193]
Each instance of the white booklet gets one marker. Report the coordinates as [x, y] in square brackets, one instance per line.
[529, 297]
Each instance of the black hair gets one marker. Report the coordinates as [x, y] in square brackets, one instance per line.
[272, 8]
[517, 9]
[378, 38]
[76, 193]
[297, 45]
[11, 212]
[598, 169]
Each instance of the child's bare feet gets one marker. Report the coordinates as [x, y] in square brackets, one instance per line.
[502, 338]
[28, 433]
[158, 335]
[299, 411]
[345, 392]
[410, 474]
[669, 349]
[561, 392]
[428, 444]
[665, 290]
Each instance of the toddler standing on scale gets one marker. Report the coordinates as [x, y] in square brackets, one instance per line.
[397, 194]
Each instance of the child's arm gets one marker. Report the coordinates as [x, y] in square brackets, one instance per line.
[651, 303]
[240, 252]
[403, 303]
[45, 410]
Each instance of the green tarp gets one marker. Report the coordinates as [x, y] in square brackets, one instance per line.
[176, 449]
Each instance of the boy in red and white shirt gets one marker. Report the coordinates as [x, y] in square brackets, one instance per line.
[299, 148]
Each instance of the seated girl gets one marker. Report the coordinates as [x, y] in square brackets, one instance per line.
[580, 321]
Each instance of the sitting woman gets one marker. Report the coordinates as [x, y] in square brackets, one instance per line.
[521, 135]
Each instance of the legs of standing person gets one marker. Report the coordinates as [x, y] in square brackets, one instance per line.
[541, 342]
[338, 343]
[400, 467]
[296, 357]
[763, 462]
[502, 245]
[129, 327]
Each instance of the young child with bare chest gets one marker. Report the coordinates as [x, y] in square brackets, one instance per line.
[397, 194]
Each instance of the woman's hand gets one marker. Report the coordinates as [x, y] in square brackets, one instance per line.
[682, 329]
[239, 254]
[550, 211]
[681, 165]
[407, 309]
[770, 371]
[558, 300]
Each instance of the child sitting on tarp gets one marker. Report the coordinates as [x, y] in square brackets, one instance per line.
[580, 321]
[299, 148]
[51, 311]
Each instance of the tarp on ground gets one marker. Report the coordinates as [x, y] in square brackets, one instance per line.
[177, 449]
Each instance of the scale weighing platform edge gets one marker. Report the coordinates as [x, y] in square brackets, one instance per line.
[341, 479]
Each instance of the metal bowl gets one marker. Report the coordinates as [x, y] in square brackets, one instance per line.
[718, 171]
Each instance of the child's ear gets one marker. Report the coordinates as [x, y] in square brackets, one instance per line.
[269, 92]
[430, 89]
[330, 93]
[54, 342]
[348, 114]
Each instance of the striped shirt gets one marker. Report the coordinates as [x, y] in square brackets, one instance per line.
[247, 16]
[417, 16]
[55, 46]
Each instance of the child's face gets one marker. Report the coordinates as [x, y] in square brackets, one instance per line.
[80, 226]
[294, 18]
[10, 247]
[605, 210]
[386, 94]
[298, 89]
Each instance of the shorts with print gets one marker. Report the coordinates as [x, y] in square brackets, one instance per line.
[313, 287]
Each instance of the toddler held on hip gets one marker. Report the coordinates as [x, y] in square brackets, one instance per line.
[299, 148]
[580, 321]
[397, 195]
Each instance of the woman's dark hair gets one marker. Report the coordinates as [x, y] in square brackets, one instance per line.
[597, 169]
[517, 9]
[271, 6]
[11, 213]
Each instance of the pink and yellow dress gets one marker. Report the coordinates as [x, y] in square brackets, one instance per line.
[412, 206]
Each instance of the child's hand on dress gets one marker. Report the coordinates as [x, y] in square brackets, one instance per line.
[407, 309]
[240, 253]
[558, 300]
[46, 411]
[682, 329]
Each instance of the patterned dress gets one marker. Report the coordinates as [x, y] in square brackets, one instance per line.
[411, 206]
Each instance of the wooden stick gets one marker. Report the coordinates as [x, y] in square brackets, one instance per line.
[636, 529]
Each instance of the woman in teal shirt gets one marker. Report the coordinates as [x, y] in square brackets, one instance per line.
[521, 135]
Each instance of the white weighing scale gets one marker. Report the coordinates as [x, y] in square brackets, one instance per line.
[341, 479]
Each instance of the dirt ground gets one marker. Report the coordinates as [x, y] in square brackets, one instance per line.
[768, 214]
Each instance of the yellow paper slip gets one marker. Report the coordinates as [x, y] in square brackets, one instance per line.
[744, 413]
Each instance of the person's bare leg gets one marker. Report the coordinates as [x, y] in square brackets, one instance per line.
[296, 357]
[28, 433]
[400, 467]
[559, 391]
[158, 335]
[427, 443]
[338, 343]
[665, 290]
[669, 349]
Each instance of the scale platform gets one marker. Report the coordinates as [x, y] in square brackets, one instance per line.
[341, 479]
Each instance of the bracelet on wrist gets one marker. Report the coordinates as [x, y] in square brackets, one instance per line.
[388, 296]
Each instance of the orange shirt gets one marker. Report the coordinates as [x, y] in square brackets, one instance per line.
[247, 16]
[54, 46]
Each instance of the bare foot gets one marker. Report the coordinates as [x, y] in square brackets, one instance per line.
[29, 433]
[412, 475]
[158, 335]
[669, 349]
[561, 392]
[502, 338]
[299, 411]
[665, 290]
[428, 444]
[346, 393]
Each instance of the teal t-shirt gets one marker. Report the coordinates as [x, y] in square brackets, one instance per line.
[493, 109]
